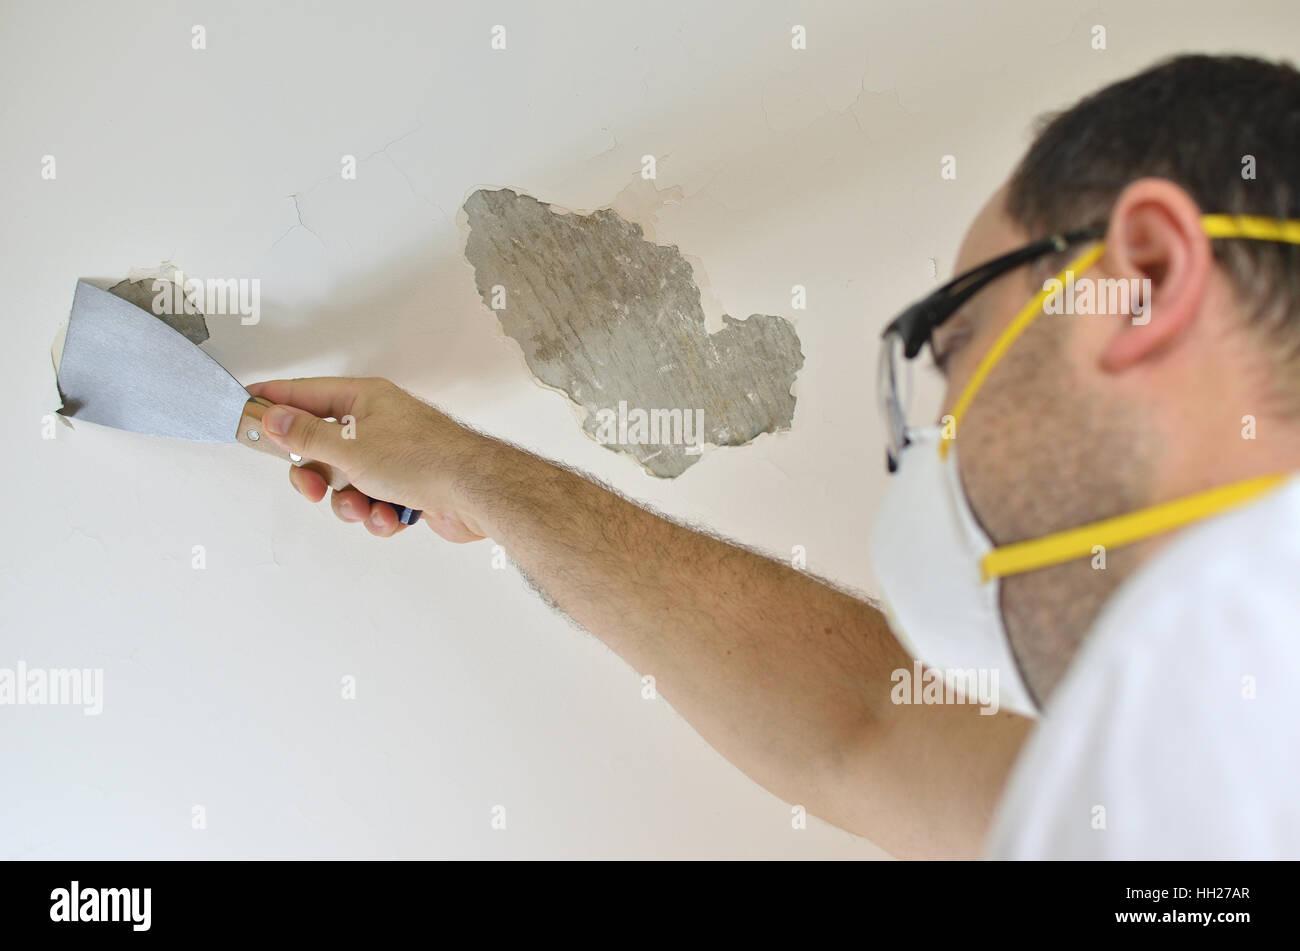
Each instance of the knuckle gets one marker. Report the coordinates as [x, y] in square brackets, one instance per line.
[308, 430]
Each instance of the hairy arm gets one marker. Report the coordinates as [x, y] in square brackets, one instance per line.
[784, 675]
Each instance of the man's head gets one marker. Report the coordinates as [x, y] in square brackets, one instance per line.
[1089, 417]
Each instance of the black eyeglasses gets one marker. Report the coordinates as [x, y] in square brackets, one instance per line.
[911, 330]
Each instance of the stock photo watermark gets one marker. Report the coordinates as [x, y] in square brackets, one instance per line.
[22, 685]
[931, 685]
[1099, 297]
[78, 903]
[654, 427]
[214, 297]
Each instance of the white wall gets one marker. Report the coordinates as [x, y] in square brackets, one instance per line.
[221, 688]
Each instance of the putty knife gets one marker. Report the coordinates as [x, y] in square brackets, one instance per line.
[123, 367]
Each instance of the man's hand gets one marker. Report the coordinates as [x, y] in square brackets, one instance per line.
[400, 449]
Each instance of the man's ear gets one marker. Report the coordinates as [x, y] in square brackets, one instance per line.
[1155, 235]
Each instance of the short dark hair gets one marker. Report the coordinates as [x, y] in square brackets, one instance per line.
[1191, 119]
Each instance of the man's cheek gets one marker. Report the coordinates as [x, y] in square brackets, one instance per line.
[977, 478]
[961, 367]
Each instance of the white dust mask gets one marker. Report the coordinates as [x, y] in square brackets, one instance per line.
[927, 549]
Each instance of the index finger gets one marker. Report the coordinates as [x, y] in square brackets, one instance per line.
[322, 396]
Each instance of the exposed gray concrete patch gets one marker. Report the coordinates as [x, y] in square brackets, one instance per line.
[615, 321]
[142, 294]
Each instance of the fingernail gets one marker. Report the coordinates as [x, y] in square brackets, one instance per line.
[277, 420]
[373, 521]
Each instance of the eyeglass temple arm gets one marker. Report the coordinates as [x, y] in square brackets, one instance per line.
[972, 282]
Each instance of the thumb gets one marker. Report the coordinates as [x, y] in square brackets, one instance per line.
[304, 434]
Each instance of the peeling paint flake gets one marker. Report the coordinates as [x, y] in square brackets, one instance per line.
[615, 321]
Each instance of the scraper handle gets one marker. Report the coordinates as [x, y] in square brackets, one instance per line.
[252, 436]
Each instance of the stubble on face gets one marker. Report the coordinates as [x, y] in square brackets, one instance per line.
[1043, 448]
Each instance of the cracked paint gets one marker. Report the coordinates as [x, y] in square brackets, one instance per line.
[615, 322]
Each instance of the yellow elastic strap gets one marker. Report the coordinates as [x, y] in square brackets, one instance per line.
[1249, 226]
[1008, 337]
[1123, 529]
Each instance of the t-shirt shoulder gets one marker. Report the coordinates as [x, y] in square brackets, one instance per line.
[1176, 732]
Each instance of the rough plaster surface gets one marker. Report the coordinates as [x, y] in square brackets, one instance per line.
[615, 321]
[141, 293]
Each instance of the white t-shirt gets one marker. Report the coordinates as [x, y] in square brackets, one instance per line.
[1175, 734]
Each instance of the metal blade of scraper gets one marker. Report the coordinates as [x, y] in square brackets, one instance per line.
[123, 367]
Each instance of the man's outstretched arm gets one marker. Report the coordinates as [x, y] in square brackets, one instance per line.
[784, 675]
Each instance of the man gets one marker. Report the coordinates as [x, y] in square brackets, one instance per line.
[1104, 517]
